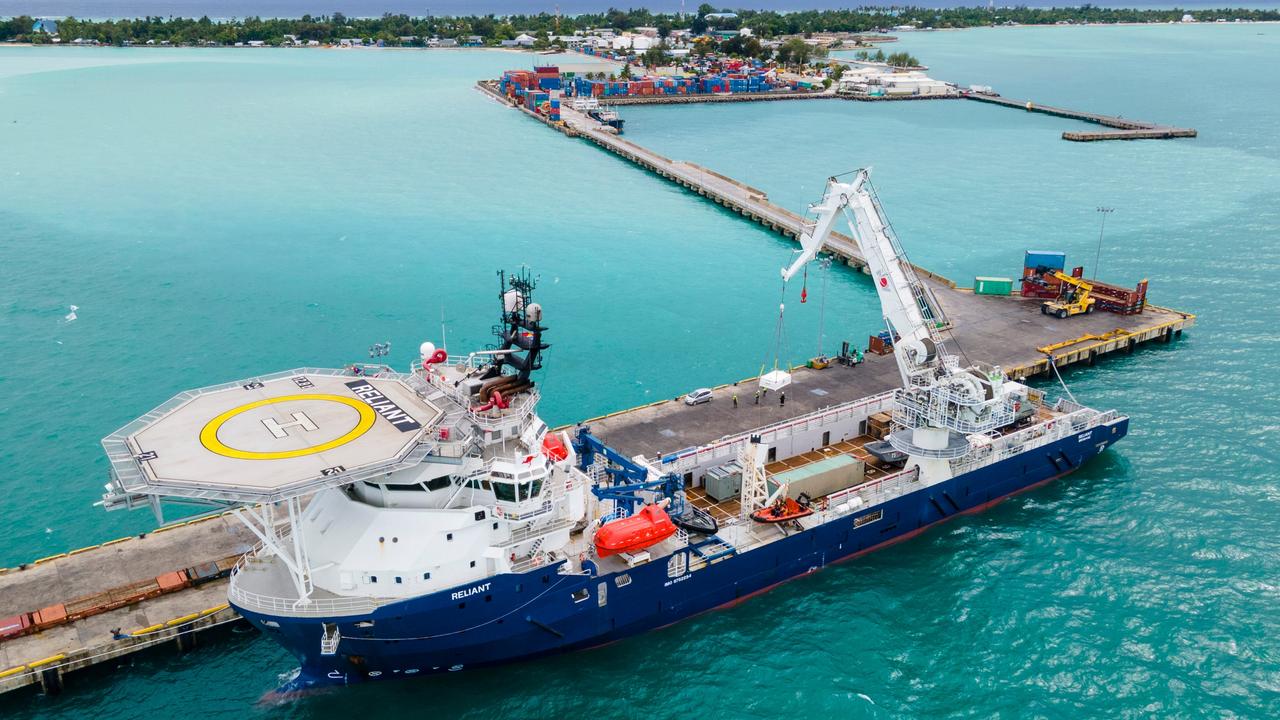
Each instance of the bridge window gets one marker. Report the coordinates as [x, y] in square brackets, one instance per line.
[504, 492]
[439, 483]
[580, 595]
[426, 576]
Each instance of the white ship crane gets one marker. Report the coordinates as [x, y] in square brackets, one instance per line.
[940, 403]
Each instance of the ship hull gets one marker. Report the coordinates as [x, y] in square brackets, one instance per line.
[521, 616]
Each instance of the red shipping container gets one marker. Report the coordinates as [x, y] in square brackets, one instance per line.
[172, 581]
[15, 626]
[50, 616]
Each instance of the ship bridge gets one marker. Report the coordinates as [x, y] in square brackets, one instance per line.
[279, 437]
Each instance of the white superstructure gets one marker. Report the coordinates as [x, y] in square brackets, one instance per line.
[366, 485]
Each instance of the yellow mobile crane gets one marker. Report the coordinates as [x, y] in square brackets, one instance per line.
[1074, 299]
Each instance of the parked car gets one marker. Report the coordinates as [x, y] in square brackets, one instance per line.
[697, 397]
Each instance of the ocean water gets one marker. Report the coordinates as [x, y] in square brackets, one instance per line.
[215, 214]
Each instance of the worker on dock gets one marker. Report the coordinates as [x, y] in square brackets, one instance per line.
[757, 397]
[735, 399]
[782, 398]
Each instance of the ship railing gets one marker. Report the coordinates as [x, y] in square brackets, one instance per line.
[294, 606]
[523, 405]
[534, 560]
[938, 412]
[871, 493]
[502, 513]
[729, 447]
[1034, 436]
[525, 533]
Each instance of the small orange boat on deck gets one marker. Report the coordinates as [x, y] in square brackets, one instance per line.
[783, 510]
[648, 527]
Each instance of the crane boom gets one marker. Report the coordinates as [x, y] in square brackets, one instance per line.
[902, 296]
[939, 403]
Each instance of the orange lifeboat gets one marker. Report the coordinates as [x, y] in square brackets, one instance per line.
[648, 527]
[554, 447]
[781, 511]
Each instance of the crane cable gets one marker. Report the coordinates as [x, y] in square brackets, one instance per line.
[779, 332]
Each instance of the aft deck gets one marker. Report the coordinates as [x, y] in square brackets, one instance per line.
[725, 511]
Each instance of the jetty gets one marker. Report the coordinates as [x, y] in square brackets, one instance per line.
[166, 588]
[97, 604]
[719, 98]
[1125, 128]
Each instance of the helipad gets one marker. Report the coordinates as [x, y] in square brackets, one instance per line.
[267, 437]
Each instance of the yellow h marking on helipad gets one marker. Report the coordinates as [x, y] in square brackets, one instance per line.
[209, 434]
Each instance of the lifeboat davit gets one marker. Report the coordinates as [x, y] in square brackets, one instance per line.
[784, 510]
[648, 527]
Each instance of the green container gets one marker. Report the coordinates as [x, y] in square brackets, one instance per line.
[992, 286]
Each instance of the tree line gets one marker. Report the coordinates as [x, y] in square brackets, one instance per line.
[408, 30]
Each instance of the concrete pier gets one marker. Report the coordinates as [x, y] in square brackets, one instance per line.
[1126, 129]
[715, 98]
[83, 581]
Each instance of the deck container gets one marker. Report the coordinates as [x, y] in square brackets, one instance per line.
[992, 286]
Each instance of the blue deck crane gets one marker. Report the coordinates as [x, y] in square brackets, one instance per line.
[627, 478]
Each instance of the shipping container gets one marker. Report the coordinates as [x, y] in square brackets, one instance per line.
[820, 478]
[15, 626]
[50, 616]
[1051, 259]
[171, 581]
[992, 286]
[203, 573]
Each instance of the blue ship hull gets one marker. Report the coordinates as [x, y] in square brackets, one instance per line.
[520, 616]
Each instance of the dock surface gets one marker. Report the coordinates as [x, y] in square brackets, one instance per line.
[997, 330]
[87, 578]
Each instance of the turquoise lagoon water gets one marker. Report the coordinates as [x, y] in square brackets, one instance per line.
[217, 214]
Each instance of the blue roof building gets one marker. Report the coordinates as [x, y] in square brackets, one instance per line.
[45, 26]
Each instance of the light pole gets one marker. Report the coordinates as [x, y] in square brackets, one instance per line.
[824, 262]
[1104, 212]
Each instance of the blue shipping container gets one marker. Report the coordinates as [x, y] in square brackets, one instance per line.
[1051, 259]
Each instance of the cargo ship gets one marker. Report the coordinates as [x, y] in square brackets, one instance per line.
[426, 520]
